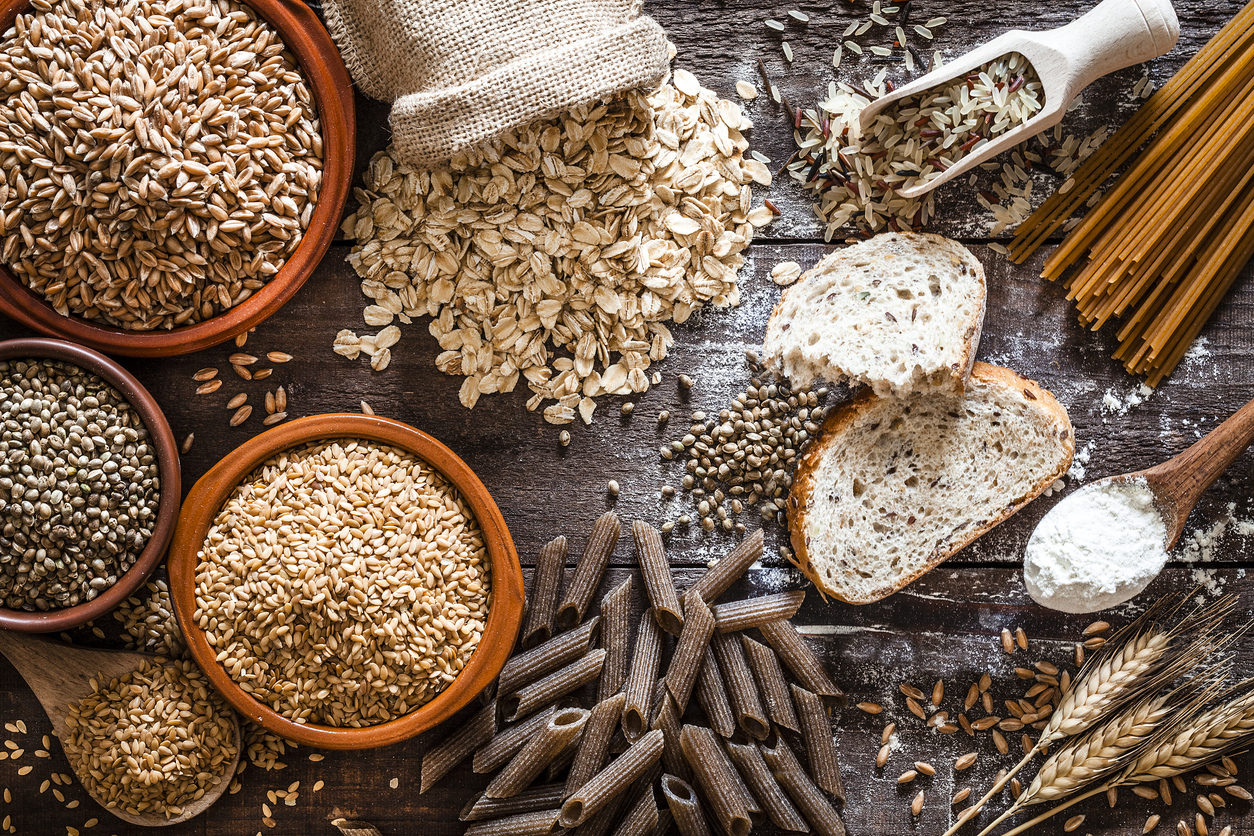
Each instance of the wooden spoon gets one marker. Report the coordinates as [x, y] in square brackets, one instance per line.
[1114, 35]
[59, 674]
[1178, 483]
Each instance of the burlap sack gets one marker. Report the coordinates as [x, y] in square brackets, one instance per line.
[461, 71]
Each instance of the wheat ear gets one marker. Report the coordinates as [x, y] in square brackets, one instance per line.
[1181, 746]
[1141, 658]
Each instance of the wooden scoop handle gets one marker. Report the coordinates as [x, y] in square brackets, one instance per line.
[1113, 35]
[1179, 482]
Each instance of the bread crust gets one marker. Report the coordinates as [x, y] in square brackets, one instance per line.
[844, 416]
[958, 374]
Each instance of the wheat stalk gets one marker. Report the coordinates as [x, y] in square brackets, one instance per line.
[1183, 745]
[1141, 658]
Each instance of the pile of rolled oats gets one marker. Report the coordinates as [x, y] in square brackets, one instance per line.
[560, 251]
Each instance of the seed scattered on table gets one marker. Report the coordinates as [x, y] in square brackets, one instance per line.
[187, 443]
[209, 388]
[241, 415]
[237, 401]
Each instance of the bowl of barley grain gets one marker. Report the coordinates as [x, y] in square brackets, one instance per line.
[89, 485]
[171, 171]
[346, 581]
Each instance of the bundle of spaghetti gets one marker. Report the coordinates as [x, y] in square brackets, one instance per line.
[1232, 44]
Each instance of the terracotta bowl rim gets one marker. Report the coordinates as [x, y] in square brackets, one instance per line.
[168, 470]
[329, 83]
[504, 618]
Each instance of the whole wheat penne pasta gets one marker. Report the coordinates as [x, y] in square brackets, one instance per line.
[712, 694]
[741, 687]
[749, 613]
[714, 774]
[546, 584]
[685, 664]
[558, 766]
[816, 730]
[538, 823]
[667, 722]
[800, 659]
[476, 731]
[555, 685]
[665, 819]
[771, 683]
[715, 581]
[600, 822]
[658, 580]
[541, 660]
[770, 794]
[612, 780]
[685, 809]
[506, 743]
[615, 638]
[595, 744]
[532, 758]
[589, 569]
[641, 817]
[641, 678]
[809, 798]
[531, 800]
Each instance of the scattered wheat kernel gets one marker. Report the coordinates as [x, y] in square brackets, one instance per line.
[241, 359]
[240, 339]
[973, 694]
[910, 691]
[881, 757]
[1151, 823]
[1112, 797]
[318, 785]
[965, 762]
[1239, 792]
[92, 822]
[1230, 765]
[870, 707]
[1007, 640]
[209, 388]
[1205, 806]
[1021, 638]
[1177, 781]
[271, 420]
[1047, 668]
[986, 682]
[1025, 673]
[237, 401]
[1199, 823]
[1079, 655]
[262, 374]
[1227, 831]
[278, 357]
[916, 806]
[999, 740]
[1096, 627]
[241, 415]
[907, 776]
[961, 796]
[265, 810]
[1073, 823]
[938, 692]
[242, 372]
[1217, 800]
[925, 768]
[1094, 643]
[915, 708]
[205, 374]
[888, 732]
[986, 699]
[1164, 791]
[1016, 789]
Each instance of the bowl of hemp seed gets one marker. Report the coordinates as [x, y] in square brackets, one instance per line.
[346, 581]
[171, 171]
[89, 485]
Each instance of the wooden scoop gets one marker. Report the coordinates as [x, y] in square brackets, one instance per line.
[1114, 35]
[1178, 483]
[59, 674]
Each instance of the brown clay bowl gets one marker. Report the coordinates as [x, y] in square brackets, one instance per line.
[332, 90]
[504, 618]
[162, 439]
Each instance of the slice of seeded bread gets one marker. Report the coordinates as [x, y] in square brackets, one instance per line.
[900, 312]
[892, 487]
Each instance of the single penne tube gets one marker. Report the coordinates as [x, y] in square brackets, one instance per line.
[589, 570]
[555, 685]
[741, 687]
[816, 731]
[641, 818]
[715, 581]
[506, 743]
[531, 800]
[458, 746]
[532, 758]
[766, 789]
[558, 766]
[612, 780]
[526, 667]
[685, 663]
[602, 821]
[667, 722]
[684, 807]
[641, 678]
[594, 746]
[665, 820]
[658, 580]
[713, 772]
[712, 695]
[817, 810]
[771, 683]
[749, 613]
[800, 659]
[537, 823]
[615, 638]
[546, 585]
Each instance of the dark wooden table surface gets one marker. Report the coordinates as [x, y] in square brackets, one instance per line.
[944, 626]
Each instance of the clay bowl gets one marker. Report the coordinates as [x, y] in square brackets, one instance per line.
[329, 83]
[504, 618]
[162, 440]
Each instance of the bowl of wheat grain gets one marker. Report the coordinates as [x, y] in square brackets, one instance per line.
[171, 171]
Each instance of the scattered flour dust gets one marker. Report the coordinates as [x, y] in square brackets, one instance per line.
[1113, 404]
[1097, 548]
[1078, 461]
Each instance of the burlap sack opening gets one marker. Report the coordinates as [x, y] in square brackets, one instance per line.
[462, 71]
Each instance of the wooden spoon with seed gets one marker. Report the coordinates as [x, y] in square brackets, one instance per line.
[60, 674]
